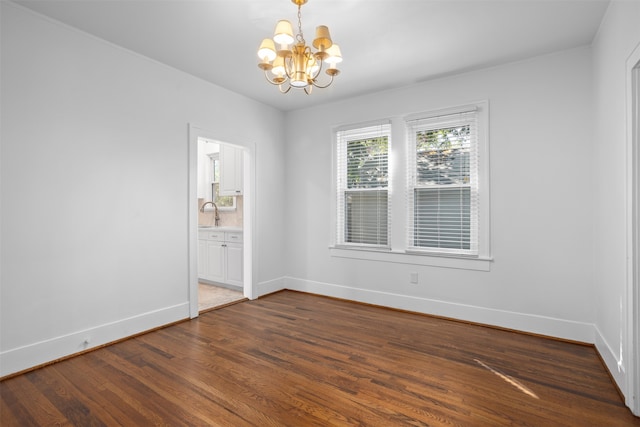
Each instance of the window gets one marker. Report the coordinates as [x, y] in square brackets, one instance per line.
[443, 182]
[222, 202]
[440, 199]
[363, 186]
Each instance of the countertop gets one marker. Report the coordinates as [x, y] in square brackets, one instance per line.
[220, 228]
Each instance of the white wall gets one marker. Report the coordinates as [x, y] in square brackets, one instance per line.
[541, 201]
[94, 175]
[619, 35]
[94, 192]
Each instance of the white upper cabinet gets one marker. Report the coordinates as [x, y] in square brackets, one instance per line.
[231, 159]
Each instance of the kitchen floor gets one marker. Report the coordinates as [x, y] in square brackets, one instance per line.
[211, 297]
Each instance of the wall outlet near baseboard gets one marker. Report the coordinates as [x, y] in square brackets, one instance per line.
[413, 277]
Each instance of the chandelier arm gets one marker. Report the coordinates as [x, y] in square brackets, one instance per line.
[266, 76]
[284, 91]
[319, 68]
[287, 65]
[320, 86]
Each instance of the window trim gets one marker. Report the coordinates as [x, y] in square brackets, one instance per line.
[413, 258]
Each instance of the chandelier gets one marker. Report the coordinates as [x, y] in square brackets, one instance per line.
[295, 64]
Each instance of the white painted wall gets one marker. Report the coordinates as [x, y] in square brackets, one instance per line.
[619, 35]
[541, 279]
[94, 192]
[94, 188]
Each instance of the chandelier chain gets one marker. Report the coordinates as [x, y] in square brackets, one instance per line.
[299, 36]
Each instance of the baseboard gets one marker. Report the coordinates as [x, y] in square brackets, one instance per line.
[40, 353]
[271, 286]
[613, 362]
[540, 325]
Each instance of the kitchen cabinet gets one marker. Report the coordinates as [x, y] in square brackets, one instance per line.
[220, 255]
[234, 264]
[231, 159]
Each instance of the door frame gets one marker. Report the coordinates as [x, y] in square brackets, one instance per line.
[248, 222]
[632, 391]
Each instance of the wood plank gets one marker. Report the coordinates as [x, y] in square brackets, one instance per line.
[295, 359]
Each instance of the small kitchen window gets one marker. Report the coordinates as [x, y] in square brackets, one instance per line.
[223, 202]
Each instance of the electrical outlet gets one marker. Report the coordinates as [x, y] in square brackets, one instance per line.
[413, 277]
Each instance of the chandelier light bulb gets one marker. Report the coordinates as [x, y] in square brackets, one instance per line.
[267, 51]
[283, 35]
[334, 56]
[312, 68]
[278, 67]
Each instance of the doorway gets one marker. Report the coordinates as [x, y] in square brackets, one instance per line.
[220, 221]
[220, 216]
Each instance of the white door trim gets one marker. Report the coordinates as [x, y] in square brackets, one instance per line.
[632, 391]
[248, 226]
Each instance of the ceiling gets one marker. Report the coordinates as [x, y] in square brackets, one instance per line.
[385, 43]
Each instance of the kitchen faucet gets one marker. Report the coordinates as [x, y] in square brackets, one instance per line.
[215, 210]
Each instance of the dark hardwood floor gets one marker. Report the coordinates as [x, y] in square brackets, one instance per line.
[294, 359]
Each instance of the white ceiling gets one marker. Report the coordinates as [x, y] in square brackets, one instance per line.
[385, 43]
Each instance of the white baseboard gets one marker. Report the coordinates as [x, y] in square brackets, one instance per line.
[612, 360]
[19, 359]
[271, 286]
[29, 356]
[542, 325]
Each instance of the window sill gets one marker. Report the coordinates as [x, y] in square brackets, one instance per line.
[445, 261]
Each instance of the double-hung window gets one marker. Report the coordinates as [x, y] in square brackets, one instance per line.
[443, 183]
[363, 186]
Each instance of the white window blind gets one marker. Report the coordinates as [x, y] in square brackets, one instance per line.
[363, 211]
[442, 191]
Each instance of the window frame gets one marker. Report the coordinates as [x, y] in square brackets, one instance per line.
[463, 116]
[214, 184]
[341, 188]
[398, 251]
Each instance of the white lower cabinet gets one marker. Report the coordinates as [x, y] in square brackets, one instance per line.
[234, 264]
[220, 256]
[215, 261]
